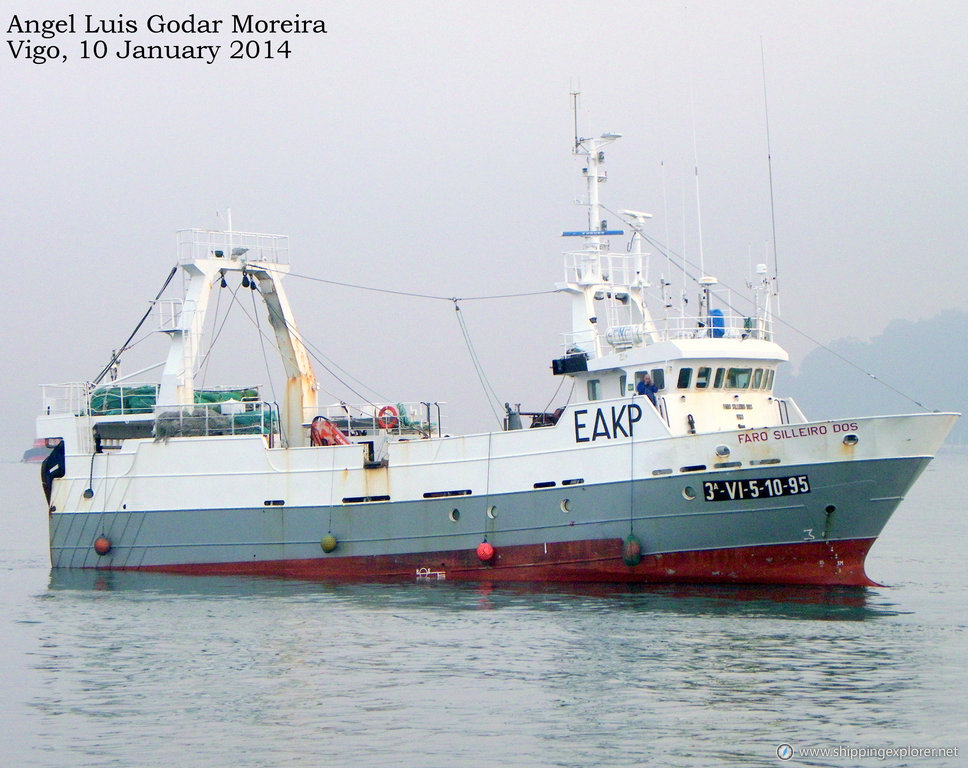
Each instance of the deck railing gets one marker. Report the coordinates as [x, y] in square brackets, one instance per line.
[81, 398]
[729, 326]
[72, 398]
[250, 246]
[214, 419]
[674, 328]
[402, 419]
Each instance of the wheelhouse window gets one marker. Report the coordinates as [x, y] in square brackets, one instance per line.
[594, 389]
[685, 378]
[758, 378]
[738, 378]
[657, 374]
[622, 381]
[769, 379]
[720, 378]
[702, 377]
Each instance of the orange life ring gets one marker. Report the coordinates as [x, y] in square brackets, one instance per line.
[388, 417]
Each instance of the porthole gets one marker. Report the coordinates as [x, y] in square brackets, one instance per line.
[566, 505]
[689, 493]
[492, 512]
[454, 515]
[850, 439]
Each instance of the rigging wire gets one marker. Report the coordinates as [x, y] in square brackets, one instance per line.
[265, 357]
[215, 335]
[776, 319]
[490, 394]
[482, 377]
[235, 300]
[414, 294]
[561, 381]
[326, 362]
[137, 342]
[311, 351]
[854, 365]
[117, 355]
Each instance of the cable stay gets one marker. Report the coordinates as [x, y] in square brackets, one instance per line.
[117, 355]
[417, 295]
[689, 269]
[319, 356]
[489, 394]
[203, 365]
[265, 357]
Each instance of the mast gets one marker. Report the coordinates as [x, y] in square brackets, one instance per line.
[601, 282]
[584, 274]
[206, 257]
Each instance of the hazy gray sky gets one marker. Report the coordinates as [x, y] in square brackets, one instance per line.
[425, 146]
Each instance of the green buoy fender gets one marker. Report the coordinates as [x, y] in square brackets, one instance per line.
[631, 551]
[328, 543]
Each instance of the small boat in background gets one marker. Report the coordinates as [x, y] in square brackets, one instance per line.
[37, 453]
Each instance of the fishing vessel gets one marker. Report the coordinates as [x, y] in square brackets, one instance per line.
[673, 460]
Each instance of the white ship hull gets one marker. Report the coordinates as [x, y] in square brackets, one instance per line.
[790, 504]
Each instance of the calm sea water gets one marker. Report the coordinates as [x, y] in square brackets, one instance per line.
[151, 670]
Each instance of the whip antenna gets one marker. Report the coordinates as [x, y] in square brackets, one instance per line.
[574, 111]
[769, 163]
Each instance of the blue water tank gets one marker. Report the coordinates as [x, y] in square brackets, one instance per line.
[718, 323]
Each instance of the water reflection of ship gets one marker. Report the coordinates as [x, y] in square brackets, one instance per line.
[822, 603]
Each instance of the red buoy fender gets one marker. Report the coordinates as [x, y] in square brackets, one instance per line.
[388, 417]
[485, 552]
[102, 545]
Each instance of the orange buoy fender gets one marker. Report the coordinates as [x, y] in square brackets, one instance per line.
[631, 551]
[102, 545]
[485, 552]
[328, 543]
[388, 417]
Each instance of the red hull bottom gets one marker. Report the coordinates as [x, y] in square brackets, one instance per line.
[836, 563]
